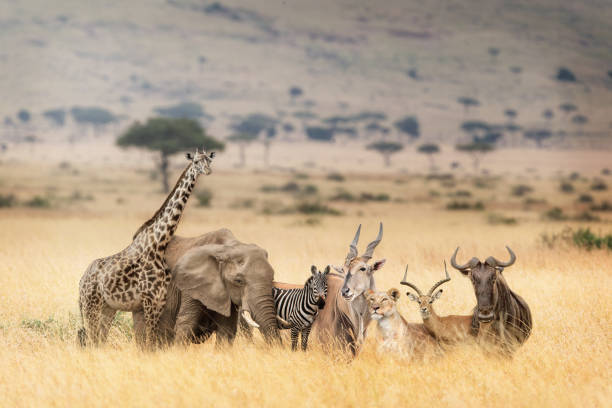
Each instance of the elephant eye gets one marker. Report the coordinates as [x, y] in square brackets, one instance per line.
[238, 280]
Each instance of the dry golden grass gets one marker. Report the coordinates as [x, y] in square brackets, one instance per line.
[43, 253]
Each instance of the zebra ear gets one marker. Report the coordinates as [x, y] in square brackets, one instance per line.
[189, 156]
[326, 271]
[313, 269]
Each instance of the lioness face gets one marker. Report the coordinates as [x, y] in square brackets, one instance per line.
[382, 304]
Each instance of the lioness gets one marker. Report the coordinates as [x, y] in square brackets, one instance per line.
[398, 336]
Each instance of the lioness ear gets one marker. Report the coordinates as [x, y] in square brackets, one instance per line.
[394, 294]
[189, 156]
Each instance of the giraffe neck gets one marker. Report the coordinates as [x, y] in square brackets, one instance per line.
[170, 214]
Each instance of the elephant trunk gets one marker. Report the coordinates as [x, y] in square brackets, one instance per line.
[261, 304]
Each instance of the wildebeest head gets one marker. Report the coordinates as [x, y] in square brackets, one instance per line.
[358, 274]
[484, 276]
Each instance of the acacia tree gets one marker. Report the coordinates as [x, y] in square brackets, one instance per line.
[409, 125]
[476, 150]
[429, 149]
[511, 114]
[468, 102]
[168, 136]
[386, 149]
[242, 140]
[538, 135]
[568, 108]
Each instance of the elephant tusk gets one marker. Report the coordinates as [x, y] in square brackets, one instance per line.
[283, 323]
[247, 317]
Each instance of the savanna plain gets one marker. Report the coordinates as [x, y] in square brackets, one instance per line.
[92, 211]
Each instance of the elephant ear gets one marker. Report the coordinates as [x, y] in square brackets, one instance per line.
[198, 275]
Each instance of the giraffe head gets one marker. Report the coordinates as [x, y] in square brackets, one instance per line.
[201, 161]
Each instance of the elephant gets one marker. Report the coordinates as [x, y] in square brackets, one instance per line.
[214, 278]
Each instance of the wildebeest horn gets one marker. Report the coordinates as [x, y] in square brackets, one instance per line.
[454, 262]
[353, 247]
[372, 245]
[247, 317]
[506, 264]
[434, 287]
[413, 286]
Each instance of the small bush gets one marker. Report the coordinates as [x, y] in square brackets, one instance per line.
[606, 172]
[464, 205]
[584, 238]
[521, 189]
[566, 187]
[604, 206]
[500, 219]
[585, 198]
[336, 177]
[343, 195]
[204, 197]
[587, 217]
[7, 200]
[462, 193]
[310, 189]
[314, 207]
[268, 188]
[599, 185]
[301, 176]
[374, 197]
[38, 202]
[276, 207]
[555, 214]
[242, 203]
[434, 193]
[290, 187]
[574, 176]
[484, 183]
[534, 201]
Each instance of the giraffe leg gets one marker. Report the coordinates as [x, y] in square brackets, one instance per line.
[305, 334]
[93, 314]
[107, 315]
[294, 338]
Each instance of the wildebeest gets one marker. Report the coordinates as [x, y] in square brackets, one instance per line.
[501, 316]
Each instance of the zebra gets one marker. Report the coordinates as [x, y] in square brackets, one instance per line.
[297, 308]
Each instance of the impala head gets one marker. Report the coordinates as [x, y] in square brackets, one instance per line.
[425, 301]
[201, 161]
[484, 276]
[382, 304]
[358, 274]
[318, 285]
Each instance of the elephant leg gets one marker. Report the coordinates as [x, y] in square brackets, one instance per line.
[187, 326]
[139, 327]
[305, 334]
[294, 338]
[227, 326]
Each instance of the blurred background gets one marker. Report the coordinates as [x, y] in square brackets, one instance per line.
[441, 89]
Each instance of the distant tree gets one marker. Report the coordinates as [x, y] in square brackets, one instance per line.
[268, 137]
[288, 127]
[516, 69]
[580, 121]
[242, 140]
[56, 116]
[565, 75]
[430, 149]
[568, 108]
[93, 116]
[468, 102]
[610, 73]
[254, 124]
[511, 114]
[476, 150]
[386, 149]
[8, 121]
[548, 115]
[412, 73]
[409, 125]
[168, 136]
[538, 135]
[493, 52]
[190, 110]
[295, 92]
[24, 116]
[320, 134]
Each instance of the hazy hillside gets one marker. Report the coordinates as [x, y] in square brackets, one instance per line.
[237, 57]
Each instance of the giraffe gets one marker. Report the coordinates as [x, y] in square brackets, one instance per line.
[137, 278]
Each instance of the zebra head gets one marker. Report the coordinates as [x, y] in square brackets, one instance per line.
[318, 285]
